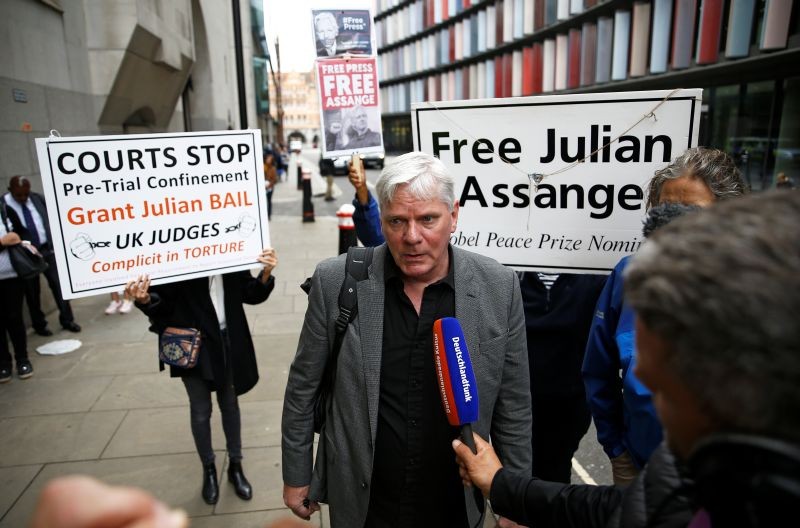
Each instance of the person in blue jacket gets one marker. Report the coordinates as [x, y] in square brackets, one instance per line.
[622, 408]
[367, 216]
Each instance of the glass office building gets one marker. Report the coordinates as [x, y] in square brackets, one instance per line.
[745, 54]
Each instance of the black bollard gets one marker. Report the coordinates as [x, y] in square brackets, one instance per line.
[299, 176]
[308, 205]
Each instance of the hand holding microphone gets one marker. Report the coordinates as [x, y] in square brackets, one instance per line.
[459, 392]
[478, 469]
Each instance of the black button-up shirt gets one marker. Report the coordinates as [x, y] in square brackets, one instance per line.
[415, 480]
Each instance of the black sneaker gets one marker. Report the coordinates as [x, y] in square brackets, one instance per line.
[5, 374]
[24, 369]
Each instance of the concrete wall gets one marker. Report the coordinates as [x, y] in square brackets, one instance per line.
[215, 100]
[98, 67]
[45, 57]
[108, 67]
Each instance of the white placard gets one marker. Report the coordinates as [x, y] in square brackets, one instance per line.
[173, 206]
[350, 111]
[582, 217]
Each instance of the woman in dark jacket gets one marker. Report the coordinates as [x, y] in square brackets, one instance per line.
[226, 362]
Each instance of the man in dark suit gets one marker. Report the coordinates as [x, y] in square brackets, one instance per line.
[28, 212]
[384, 458]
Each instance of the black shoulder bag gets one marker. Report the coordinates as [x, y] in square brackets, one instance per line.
[356, 270]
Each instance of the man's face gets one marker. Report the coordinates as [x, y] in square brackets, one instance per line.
[326, 32]
[20, 193]
[678, 409]
[360, 121]
[417, 233]
[686, 190]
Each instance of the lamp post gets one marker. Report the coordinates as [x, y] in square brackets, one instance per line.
[278, 90]
[237, 45]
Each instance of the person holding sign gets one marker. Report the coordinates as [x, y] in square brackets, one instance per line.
[226, 361]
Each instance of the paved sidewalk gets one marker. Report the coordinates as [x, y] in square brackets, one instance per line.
[105, 410]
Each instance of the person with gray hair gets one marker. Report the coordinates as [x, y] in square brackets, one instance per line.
[622, 408]
[358, 132]
[383, 458]
[718, 345]
[421, 175]
[726, 316]
[710, 171]
[326, 28]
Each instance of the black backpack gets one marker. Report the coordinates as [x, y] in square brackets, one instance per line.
[356, 270]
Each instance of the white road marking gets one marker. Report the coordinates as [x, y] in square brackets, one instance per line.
[582, 473]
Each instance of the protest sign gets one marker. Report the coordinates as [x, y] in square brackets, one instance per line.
[556, 183]
[341, 31]
[173, 206]
[349, 106]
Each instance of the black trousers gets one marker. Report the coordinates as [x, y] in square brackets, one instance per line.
[11, 323]
[199, 391]
[33, 294]
[559, 423]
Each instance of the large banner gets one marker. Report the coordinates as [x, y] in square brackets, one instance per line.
[173, 206]
[349, 106]
[556, 183]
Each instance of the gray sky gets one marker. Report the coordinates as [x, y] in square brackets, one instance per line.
[290, 20]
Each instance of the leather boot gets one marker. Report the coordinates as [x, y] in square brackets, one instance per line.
[210, 485]
[239, 481]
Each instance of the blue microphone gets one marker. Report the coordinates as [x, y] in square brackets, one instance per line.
[457, 386]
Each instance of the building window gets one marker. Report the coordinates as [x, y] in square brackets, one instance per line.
[787, 153]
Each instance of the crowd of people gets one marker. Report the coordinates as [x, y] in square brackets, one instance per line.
[685, 357]
[623, 349]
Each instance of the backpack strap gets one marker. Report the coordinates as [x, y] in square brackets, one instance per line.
[355, 270]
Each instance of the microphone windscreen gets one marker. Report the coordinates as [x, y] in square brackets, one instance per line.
[457, 385]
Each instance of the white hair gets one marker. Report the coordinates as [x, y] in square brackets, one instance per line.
[425, 177]
[325, 15]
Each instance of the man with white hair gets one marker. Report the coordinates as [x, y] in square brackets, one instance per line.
[359, 133]
[327, 30]
[384, 456]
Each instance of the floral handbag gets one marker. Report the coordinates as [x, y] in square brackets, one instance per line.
[179, 347]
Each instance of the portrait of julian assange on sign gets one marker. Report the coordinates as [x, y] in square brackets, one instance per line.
[556, 183]
[342, 31]
[173, 206]
[349, 106]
